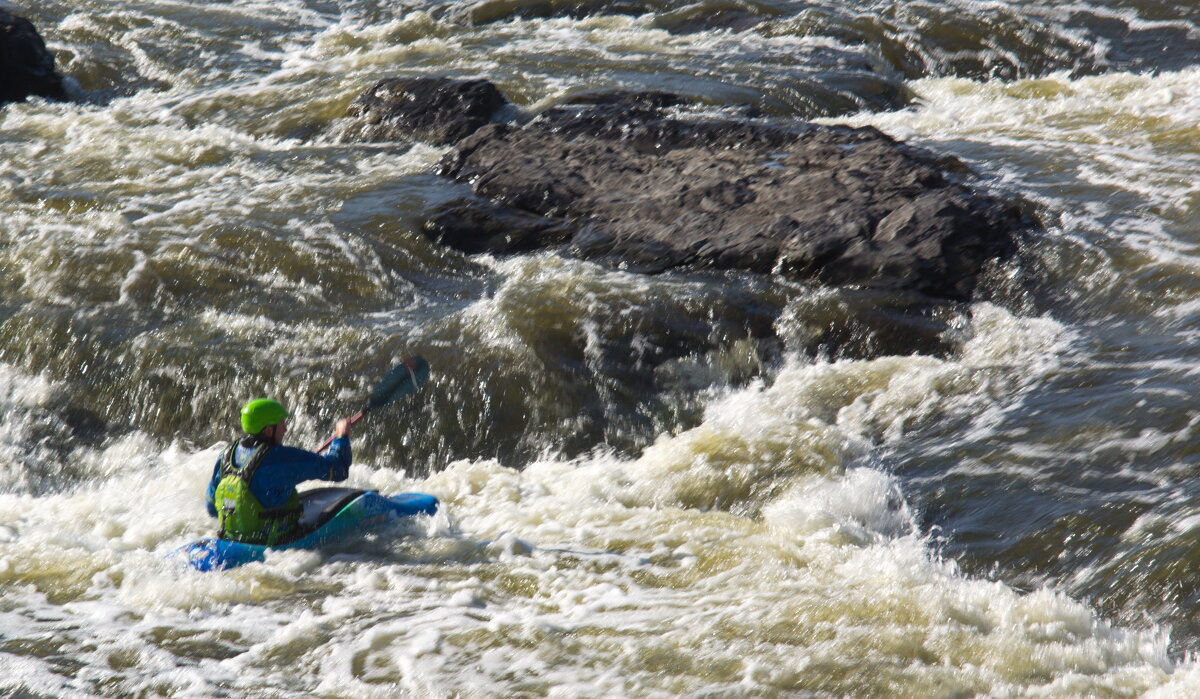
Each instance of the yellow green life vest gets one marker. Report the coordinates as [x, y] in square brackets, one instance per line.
[240, 515]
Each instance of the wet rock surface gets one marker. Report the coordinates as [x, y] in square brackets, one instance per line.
[433, 109]
[26, 66]
[630, 183]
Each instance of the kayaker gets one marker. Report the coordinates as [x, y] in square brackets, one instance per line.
[253, 488]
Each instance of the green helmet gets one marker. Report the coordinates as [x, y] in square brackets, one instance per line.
[261, 413]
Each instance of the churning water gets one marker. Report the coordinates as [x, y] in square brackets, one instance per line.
[1017, 518]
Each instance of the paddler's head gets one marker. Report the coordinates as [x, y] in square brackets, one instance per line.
[265, 418]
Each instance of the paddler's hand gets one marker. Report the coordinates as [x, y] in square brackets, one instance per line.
[342, 429]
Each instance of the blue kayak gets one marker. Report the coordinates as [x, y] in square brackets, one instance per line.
[329, 514]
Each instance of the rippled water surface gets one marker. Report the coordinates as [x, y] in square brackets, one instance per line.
[642, 496]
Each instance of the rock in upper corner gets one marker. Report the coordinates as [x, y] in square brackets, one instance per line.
[629, 182]
[434, 109]
[26, 66]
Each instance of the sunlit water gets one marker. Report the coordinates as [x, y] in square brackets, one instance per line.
[1018, 518]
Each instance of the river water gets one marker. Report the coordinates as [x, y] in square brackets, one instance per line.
[1016, 518]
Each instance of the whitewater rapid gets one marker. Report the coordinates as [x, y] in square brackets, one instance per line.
[764, 549]
[1015, 518]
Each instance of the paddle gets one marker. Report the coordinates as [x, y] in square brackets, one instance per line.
[402, 380]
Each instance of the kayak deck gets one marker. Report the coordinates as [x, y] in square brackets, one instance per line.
[329, 513]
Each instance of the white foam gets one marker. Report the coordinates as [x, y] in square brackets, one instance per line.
[1106, 137]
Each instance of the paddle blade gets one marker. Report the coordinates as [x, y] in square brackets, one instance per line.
[403, 380]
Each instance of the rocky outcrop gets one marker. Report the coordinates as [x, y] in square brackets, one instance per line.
[630, 183]
[26, 67]
[649, 181]
[433, 109]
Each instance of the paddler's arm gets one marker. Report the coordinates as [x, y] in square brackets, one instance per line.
[300, 465]
[337, 460]
[333, 464]
[339, 455]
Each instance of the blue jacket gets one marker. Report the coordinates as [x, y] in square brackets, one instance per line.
[284, 468]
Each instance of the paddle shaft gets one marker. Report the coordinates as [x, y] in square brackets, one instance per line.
[401, 381]
[354, 420]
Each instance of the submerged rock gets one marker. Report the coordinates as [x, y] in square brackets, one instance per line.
[701, 18]
[489, 11]
[26, 66]
[627, 182]
[680, 18]
[434, 109]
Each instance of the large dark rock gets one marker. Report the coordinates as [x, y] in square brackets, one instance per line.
[26, 67]
[626, 182]
[434, 109]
